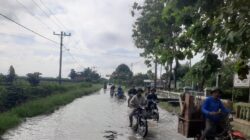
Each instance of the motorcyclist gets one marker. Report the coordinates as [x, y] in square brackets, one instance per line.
[105, 85]
[136, 102]
[152, 97]
[131, 93]
[212, 109]
[112, 90]
[119, 91]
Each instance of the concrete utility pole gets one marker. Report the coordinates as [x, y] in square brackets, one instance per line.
[62, 34]
[155, 81]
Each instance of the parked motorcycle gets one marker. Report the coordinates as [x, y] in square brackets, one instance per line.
[140, 117]
[227, 133]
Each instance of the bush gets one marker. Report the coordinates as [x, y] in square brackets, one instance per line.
[34, 78]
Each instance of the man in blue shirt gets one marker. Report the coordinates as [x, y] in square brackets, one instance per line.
[213, 110]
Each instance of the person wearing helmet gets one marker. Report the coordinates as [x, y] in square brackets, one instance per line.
[132, 92]
[136, 102]
[152, 97]
[213, 110]
[112, 90]
[119, 91]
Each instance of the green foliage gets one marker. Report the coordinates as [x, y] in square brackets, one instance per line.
[43, 105]
[72, 74]
[10, 78]
[170, 108]
[2, 78]
[122, 74]
[138, 79]
[242, 69]
[202, 71]
[90, 75]
[34, 78]
[178, 29]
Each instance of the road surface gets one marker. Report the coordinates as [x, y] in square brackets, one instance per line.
[94, 117]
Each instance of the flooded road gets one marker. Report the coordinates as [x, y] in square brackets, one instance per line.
[94, 117]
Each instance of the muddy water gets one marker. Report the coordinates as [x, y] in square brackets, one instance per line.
[94, 117]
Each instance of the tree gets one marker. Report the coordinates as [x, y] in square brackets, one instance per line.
[122, 74]
[2, 78]
[89, 75]
[204, 70]
[34, 78]
[10, 78]
[72, 74]
[138, 79]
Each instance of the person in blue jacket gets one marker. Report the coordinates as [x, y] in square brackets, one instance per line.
[214, 112]
[119, 91]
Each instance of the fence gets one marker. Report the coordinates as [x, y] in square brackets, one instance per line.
[243, 111]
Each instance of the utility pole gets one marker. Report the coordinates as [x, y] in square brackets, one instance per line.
[62, 34]
[155, 81]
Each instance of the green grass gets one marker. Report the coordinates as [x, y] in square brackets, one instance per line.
[44, 105]
[170, 108]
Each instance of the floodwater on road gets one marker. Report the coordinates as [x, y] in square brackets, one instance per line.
[93, 117]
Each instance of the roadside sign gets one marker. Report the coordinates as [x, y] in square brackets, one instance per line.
[241, 83]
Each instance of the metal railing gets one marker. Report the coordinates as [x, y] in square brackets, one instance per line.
[243, 111]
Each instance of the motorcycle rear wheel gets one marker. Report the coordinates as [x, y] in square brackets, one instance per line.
[156, 116]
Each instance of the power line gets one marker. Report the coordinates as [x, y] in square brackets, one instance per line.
[44, 12]
[6, 17]
[30, 12]
[52, 13]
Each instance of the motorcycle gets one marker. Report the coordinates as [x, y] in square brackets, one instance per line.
[112, 92]
[227, 133]
[152, 111]
[141, 126]
[120, 96]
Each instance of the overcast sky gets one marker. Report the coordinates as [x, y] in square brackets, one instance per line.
[101, 36]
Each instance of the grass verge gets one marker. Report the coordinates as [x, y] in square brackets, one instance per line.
[169, 107]
[40, 106]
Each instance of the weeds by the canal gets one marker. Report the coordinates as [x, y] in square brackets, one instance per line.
[170, 108]
[45, 105]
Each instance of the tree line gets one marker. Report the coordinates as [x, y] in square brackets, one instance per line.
[173, 30]
[10, 78]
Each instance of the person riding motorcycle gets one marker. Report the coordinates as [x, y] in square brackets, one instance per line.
[151, 98]
[213, 110]
[131, 93]
[120, 91]
[105, 85]
[112, 90]
[136, 102]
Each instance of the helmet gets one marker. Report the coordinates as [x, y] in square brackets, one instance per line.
[139, 90]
